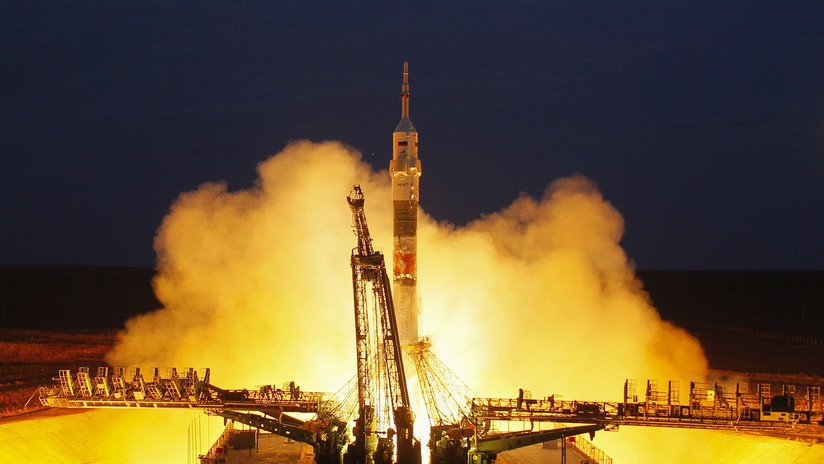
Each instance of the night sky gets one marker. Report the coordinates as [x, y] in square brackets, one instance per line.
[702, 122]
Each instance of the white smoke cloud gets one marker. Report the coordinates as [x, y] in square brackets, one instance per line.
[541, 295]
[256, 285]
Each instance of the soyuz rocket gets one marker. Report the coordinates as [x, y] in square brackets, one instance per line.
[405, 171]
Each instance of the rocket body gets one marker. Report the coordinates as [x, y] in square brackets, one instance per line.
[405, 171]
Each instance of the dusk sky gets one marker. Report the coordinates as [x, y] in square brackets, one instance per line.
[702, 122]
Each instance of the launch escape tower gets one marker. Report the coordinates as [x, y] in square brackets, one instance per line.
[405, 170]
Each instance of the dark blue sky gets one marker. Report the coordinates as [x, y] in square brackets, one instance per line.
[702, 122]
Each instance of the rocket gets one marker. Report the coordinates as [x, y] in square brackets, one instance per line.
[405, 171]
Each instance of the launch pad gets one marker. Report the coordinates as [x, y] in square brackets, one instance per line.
[794, 411]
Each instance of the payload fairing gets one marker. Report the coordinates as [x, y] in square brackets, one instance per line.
[405, 170]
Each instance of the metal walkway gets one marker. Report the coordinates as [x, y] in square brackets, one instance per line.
[795, 412]
[789, 411]
[113, 388]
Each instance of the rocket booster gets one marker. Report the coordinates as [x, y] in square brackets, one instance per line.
[405, 170]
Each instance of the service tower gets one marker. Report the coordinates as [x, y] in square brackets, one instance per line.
[405, 170]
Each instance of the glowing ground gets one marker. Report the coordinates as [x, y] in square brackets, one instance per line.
[107, 436]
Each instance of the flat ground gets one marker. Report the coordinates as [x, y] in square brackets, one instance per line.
[548, 453]
[800, 358]
[271, 449]
[31, 358]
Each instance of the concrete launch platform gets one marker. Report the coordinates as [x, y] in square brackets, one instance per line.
[538, 454]
[271, 449]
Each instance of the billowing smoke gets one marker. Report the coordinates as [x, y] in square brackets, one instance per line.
[256, 284]
[542, 294]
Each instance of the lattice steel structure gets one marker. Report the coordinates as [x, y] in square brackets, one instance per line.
[383, 397]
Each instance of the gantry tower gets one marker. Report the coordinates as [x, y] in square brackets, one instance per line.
[383, 397]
